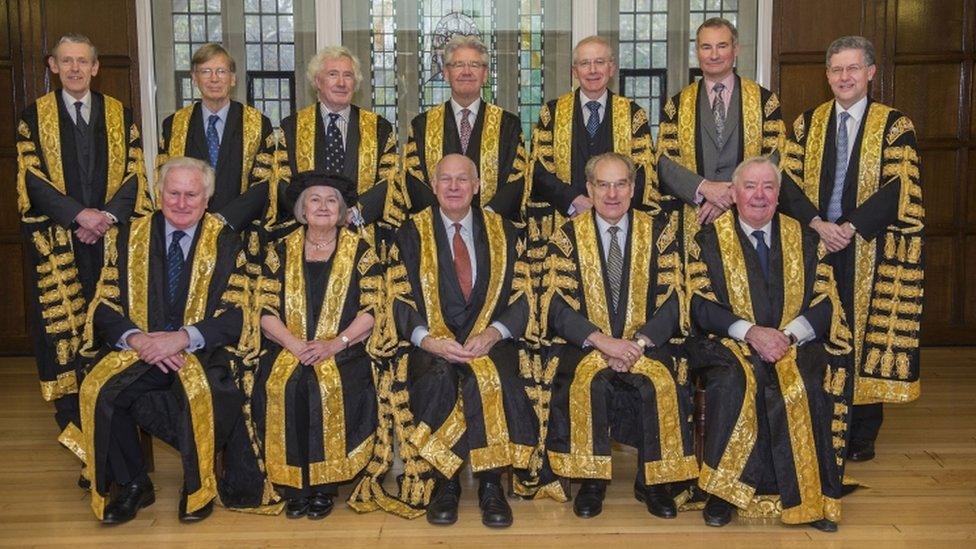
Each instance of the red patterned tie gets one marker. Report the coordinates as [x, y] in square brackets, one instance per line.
[462, 262]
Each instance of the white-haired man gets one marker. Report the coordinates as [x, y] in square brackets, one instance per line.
[465, 124]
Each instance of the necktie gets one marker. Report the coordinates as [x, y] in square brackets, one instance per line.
[462, 262]
[615, 266]
[213, 140]
[83, 150]
[840, 172]
[174, 265]
[718, 111]
[593, 122]
[335, 156]
[79, 119]
[762, 250]
[465, 130]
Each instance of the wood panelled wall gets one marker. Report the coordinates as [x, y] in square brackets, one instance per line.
[925, 51]
[28, 31]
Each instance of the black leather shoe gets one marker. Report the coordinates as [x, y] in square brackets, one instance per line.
[825, 525]
[296, 507]
[861, 450]
[196, 516]
[443, 507]
[495, 511]
[717, 511]
[320, 505]
[589, 499]
[134, 496]
[84, 483]
[657, 499]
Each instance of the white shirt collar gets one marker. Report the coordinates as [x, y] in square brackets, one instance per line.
[602, 100]
[474, 107]
[69, 101]
[343, 113]
[467, 222]
[603, 225]
[856, 111]
[767, 230]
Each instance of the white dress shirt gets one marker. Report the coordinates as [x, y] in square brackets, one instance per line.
[69, 103]
[604, 227]
[342, 121]
[853, 123]
[602, 100]
[800, 327]
[474, 107]
[221, 114]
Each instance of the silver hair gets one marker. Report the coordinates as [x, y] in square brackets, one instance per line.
[718, 22]
[299, 208]
[753, 161]
[459, 41]
[330, 53]
[852, 43]
[74, 38]
[185, 162]
[594, 39]
[590, 168]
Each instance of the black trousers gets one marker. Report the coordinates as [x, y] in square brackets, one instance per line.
[866, 422]
[125, 462]
[301, 418]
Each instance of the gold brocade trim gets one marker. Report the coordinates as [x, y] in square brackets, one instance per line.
[367, 151]
[642, 234]
[814, 149]
[73, 439]
[674, 465]
[752, 118]
[204, 263]
[305, 126]
[687, 107]
[137, 271]
[253, 122]
[433, 140]
[499, 452]
[179, 131]
[580, 462]
[794, 283]
[802, 446]
[734, 267]
[108, 367]
[436, 447]
[490, 143]
[65, 384]
[562, 137]
[49, 134]
[344, 260]
[865, 252]
[724, 481]
[279, 472]
[117, 141]
[591, 274]
[294, 305]
[197, 389]
[869, 390]
[622, 131]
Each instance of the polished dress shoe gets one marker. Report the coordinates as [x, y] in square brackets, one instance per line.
[443, 507]
[657, 499]
[84, 483]
[717, 511]
[296, 507]
[861, 450]
[196, 516]
[825, 525]
[589, 499]
[133, 496]
[320, 505]
[495, 511]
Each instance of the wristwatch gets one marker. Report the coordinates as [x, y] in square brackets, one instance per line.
[344, 340]
[789, 334]
[642, 341]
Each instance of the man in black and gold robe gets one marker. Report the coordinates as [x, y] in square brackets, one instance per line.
[79, 172]
[613, 289]
[773, 352]
[583, 123]
[460, 306]
[168, 336]
[235, 139]
[857, 184]
[487, 134]
[709, 127]
[335, 136]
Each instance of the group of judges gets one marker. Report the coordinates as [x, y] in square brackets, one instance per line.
[302, 304]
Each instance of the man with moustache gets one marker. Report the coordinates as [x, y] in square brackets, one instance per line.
[853, 169]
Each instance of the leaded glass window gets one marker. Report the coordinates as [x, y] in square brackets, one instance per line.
[269, 43]
[530, 50]
[440, 20]
[195, 22]
[383, 56]
[643, 54]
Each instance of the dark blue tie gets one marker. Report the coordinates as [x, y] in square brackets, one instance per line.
[174, 265]
[593, 122]
[213, 140]
[762, 250]
[334, 154]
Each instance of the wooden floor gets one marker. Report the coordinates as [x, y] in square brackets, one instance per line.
[922, 491]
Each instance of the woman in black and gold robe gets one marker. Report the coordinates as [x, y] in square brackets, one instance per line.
[314, 403]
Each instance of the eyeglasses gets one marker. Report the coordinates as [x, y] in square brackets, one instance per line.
[598, 63]
[207, 73]
[604, 186]
[849, 69]
[473, 65]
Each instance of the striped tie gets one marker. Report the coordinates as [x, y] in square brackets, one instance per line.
[840, 172]
[615, 265]
[174, 265]
[593, 122]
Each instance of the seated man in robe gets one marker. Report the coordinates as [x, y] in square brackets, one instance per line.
[460, 306]
[773, 353]
[160, 303]
[611, 307]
